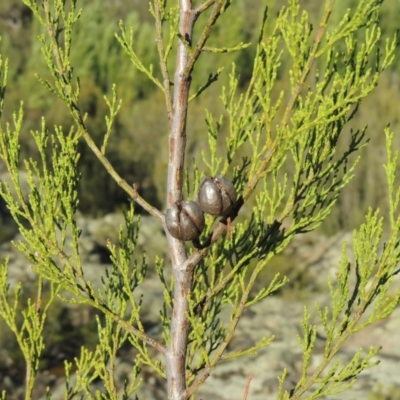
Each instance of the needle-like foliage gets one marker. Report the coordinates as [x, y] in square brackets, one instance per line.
[279, 148]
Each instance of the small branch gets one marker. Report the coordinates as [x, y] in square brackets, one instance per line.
[56, 50]
[204, 36]
[81, 288]
[163, 61]
[238, 47]
[211, 79]
[228, 337]
[310, 63]
[132, 192]
[145, 205]
[129, 328]
[246, 392]
[292, 101]
[204, 7]
[127, 44]
[260, 172]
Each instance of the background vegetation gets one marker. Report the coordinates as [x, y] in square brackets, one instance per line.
[100, 62]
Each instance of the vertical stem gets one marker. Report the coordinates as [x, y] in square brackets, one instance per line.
[176, 353]
[28, 380]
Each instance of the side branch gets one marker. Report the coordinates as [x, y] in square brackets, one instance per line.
[228, 338]
[204, 35]
[310, 63]
[129, 328]
[71, 100]
[163, 61]
[262, 170]
[131, 190]
[204, 7]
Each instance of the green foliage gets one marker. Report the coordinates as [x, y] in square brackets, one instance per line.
[99, 64]
[283, 150]
[141, 112]
[29, 333]
[355, 305]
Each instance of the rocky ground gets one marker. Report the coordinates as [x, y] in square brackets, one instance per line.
[315, 257]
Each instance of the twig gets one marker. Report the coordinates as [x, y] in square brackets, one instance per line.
[211, 79]
[131, 190]
[129, 328]
[310, 63]
[163, 61]
[204, 35]
[204, 7]
[228, 337]
[292, 101]
[75, 112]
[144, 204]
[246, 392]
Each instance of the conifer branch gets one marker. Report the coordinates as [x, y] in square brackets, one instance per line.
[238, 47]
[265, 160]
[158, 14]
[283, 151]
[216, 13]
[211, 79]
[205, 6]
[129, 328]
[71, 102]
